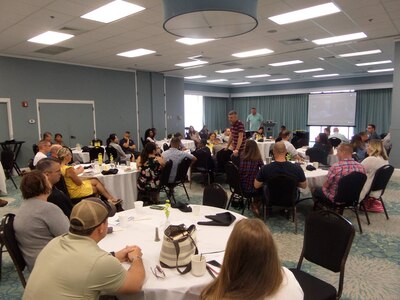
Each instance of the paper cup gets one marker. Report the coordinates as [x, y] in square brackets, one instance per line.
[123, 220]
[198, 266]
[315, 164]
[196, 210]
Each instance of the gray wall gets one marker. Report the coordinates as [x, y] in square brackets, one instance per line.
[395, 126]
[113, 93]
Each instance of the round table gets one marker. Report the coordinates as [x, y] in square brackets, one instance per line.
[189, 144]
[264, 148]
[141, 232]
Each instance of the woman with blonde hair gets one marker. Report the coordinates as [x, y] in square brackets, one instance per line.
[78, 188]
[251, 268]
[377, 158]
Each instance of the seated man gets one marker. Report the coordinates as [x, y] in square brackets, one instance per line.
[44, 149]
[339, 136]
[204, 150]
[51, 168]
[280, 167]
[176, 155]
[372, 134]
[345, 166]
[58, 139]
[54, 150]
[128, 145]
[289, 147]
[73, 265]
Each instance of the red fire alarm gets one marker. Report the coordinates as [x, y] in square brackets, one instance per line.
[24, 103]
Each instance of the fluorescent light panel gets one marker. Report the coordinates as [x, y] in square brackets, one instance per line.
[195, 77]
[217, 80]
[190, 41]
[305, 14]
[112, 11]
[309, 70]
[360, 53]
[240, 83]
[381, 70]
[286, 63]
[50, 38]
[258, 76]
[192, 63]
[340, 38]
[136, 52]
[279, 79]
[326, 75]
[230, 70]
[371, 63]
[253, 53]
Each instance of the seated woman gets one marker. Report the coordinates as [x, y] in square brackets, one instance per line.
[113, 141]
[250, 163]
[259, 134]
[225, 135]
[212, 141]
[358, 147]
[78, 188]
[149, 135]
[322, 143]
[376, 159]
[37, 221]
[149, 166]
[252, 268]
[194, 135]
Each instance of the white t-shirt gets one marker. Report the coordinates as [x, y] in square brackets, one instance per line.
[371, 165]
[289, 289]
[290, 148]
[38, 157]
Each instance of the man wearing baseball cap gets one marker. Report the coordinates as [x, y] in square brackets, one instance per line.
[73, 266]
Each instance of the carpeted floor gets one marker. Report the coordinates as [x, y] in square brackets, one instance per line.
[372, 269]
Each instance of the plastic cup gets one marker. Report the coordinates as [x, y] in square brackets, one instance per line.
[198, 265]
[123, 220]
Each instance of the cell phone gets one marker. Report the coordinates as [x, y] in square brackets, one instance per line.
[87, 167]
[214, 263]
[158, 207]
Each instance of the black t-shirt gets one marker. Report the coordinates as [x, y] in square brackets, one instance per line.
[281, 168]
[126, 150]
[58, 198]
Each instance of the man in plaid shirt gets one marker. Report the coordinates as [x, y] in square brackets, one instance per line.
[345, 166]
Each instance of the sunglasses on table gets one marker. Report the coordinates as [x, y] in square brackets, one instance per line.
[158, 272]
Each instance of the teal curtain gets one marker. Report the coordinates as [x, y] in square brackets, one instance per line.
[373, 106]
[215, 113]
[288, 110]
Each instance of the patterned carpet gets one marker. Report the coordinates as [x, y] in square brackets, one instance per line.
[372, 269]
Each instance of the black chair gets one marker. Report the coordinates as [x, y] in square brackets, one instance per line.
[327, 242]
[235, 186]
[7, 238]
[180, 178]
[94, 152]
[318, 155]
[215, 195]
[144, 142]
[334, 142]
[35, 149]
[282, 191]
[164, 178]
[348, 194]
[223, 157]
[202, 165]
[112, 151]
[165, 147]
[7, 161]
[379, 183]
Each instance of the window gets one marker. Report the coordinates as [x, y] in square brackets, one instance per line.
[194, 111]
[315, 130]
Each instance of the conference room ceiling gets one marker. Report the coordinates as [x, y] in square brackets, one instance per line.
[97, 44]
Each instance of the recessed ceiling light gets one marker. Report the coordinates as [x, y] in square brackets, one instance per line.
[50, 38]
[360, 53]
[381, 70]
[240, 83]
[340, 38]
[309, 70]
[326, 75]
[253, 53]
[136, 52]
[374, 63]
[195, 77]
[258, 76]
[279, 79]
[286, 63]
[230, 70]
[306, 13]
[192, 63]
[217, 80]
[113, 11]
[190, 41]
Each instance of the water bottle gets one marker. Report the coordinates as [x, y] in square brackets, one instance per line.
[100, 159]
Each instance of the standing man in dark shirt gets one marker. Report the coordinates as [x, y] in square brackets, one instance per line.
[128, 145]
[238, 137]
[51, 168]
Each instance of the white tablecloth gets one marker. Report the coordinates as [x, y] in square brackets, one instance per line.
[3, 186]
[264, 148]
[142, 233]
[121, 185]
[80, 156]
[189, 144]
[315, 178]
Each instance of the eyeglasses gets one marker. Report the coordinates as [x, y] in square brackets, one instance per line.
[158, 272]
